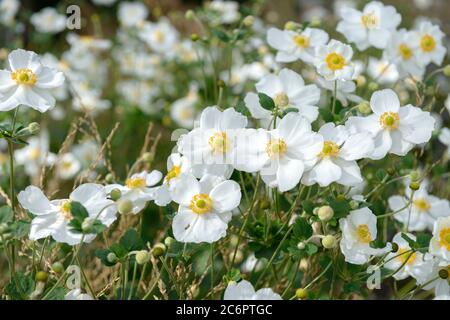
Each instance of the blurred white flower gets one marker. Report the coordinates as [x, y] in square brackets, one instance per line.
[160, 36]
[245, 291]
[440, 243]
[76, 294]
[48, 20]
[131, 14]
[228, 10]
[8, 11]
[382, 71]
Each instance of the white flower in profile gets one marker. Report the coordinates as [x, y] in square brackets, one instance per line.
[245, 291]
[48, 20]
[210, 148]
[428, 275]
[89, 100]
[28, 82]
[431, 48]
[405, 260]
[160, 36]
[294, 46]
[52, 217]
[371, 27]
[183, 110]
[281, 155]
[382, 71]
[444, 138]
[359, 229]
[8, 11]
[402, 51]
[67, 166]
[422, 213]
[131, 14]
[287, 90]
[394, 129]
[333, 61]
[345, 90]
[76, 294]
[87, 43]
[205, 207]
[139, 189]
[440, 243]
[336, 162]
[228, 10]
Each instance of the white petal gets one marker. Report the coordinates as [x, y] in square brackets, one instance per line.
[384, 101]
[34, 200]
[226, 196]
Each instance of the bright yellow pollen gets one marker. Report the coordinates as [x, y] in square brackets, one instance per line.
[444, 238]
[422, 204]
[390, 120]
[427, 43]
[134, 183]
[335, 61]
[405, 51]
[173, 173]
[159, 36]
[201, 203]
[65, 210]
[276, 147]
[34, 153]
[281, 100]
[363, 233]
[369, 21]
[330, 149]
[406, 256]
[24, 76]
[219, 142]
[301, 41]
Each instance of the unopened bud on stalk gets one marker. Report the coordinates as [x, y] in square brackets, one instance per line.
[194, 37]
[109, 178]
[291, 25]
[142, 257]
[158, 250]
[329, 241]
[112, 257]
[364, 107]
[301, 293]
[394, 247]
[189, 15]
[353, 204]
[248, 21]
[361, 81]
[373, 86]
[446, 70]
[87, 225]
[315, 22]
[115, 194]
[391, 171]
[124, 206]
[220, 83]
[169, 241]
[325, 213]
[414, 176]
[301, 245]
[147, 157]
[443, 274]
[57, 267]
[34, 128]
[414, 185]
[41, 276]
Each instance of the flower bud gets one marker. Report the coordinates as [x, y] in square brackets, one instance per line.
[41, 276]
[34, 128]
[194, 37]
[447, 70]
[414, 176]
[124, 206]
[169, 241]
[301, 293]
[220, 83]
[325, 213]
[109, 178]
[329, 241]
[354, 204]
[87, 224]
[115, 194]
[315, 211]
[364, 107]
[301, 245]
[112, 257]
[248, 21]
[142, 257]
[414, 185]
[291, 25]
[443, 274]
[189, 15]
[57, 267]
[147, 157]
[373, 86]
[158, 250]
[394, 248]
[361, 81]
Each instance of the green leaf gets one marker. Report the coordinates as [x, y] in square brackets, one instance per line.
[20, 287]
[326, 114]
[289, 110]
[410, 241]
[266, 101]
[341, 208]
[302, 229]
[20, 229]
[131, 241]
[6, 214]
[311, 249]
[308, 206]
[102, 254]
[78, 211]
[242, 109]
[57, 294]
[221, 35]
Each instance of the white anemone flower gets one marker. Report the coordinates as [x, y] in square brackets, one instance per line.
[394, 129]
[294, 46]
[440, 243]
[405, 261]
[359, 229]
[210, 147]
[228, 10]
[371, 27]
[48, 20]
[205, 208]
[287, 90]
[52, 217]
[245, 291]
[76, 294]
[422, 213]
[382, 71]
[67, 166]
[281, 155]
[28, 82]
[87, 43]
[333, 61]
[139, 189]
[8, 11]
[428, 275]
[183, 110]
[131, 14]
[431, 48]
[160, 36]
[336, 162]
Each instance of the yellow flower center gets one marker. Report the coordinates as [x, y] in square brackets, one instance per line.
[444, 238]
[173, 173]
[329, 149]
[363, 233]
[185, 114]
[406, 256]
[34, 153]
[65, 210]
[219, 142]
[405, 51]
[201, 203]
[301, 41]
[87, 39]
[369, 21]
[276, 148]
[390, 120]
[24, 76]
[421, 204]
[281, 100]
[335, 61]
[134, 183]
[159, 36]
[427, 43]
